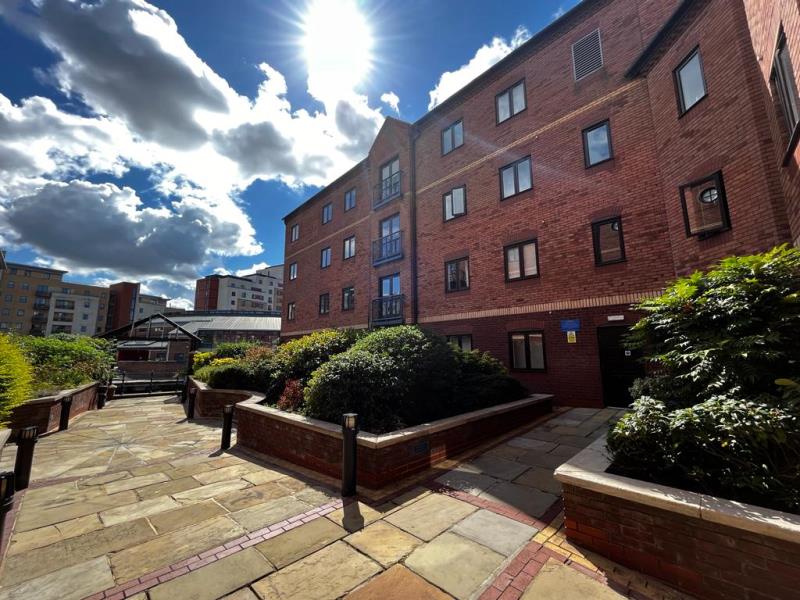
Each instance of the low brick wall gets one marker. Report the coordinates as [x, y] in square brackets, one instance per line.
[210, 402]
[45, 412]
[708, 547]
[382, 459]
[141, 369]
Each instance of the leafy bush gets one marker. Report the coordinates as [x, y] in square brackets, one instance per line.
[233, 349]
[484, 381]
[298, 358]
[232, 375]
[201, 359]
[292, 396]
[16, 377]
[721, 411]
[67, 361]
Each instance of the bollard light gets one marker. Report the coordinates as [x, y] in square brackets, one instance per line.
[66, 407]
[190, 403]
[6, 498]
[349, 435]
[227, 426]
[26, 440]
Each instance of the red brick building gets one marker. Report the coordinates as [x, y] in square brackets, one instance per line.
[628, 142]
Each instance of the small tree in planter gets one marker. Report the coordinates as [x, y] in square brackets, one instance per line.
[16, 377]
[720, 412]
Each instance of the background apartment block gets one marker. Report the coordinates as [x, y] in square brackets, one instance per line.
[259, 291]
[629, 142]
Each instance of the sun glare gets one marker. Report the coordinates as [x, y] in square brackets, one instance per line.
[337, 43]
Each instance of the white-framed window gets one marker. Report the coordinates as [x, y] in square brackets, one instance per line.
[293, 271]
[294, 234]
[325, 258]
[349, 250]
[455, 203]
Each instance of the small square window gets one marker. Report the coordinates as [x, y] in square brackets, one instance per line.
[295, 232]
[293, 271]
[462, 341]
[705, 207]
[324, 304]
[325, 258]
[457, 273]
[11, 284]
[510, 102]
[690, 82]
[350, 247]
[327, 213]
[609, 246]
[452, 137]
[20, 312]
[522, 260]
[348, 298]
[455, 203]
[349, 199]
[527, 351]
[516, 178]
[597, 144]
[290, 311]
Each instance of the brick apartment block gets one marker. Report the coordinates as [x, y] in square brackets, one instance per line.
[702, 162]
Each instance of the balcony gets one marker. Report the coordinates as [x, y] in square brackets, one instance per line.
[39, 317]
[388, 310]
[42, 294]
[387, 190]
[387, 248]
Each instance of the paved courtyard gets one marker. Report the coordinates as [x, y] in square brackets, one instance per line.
[135, 502]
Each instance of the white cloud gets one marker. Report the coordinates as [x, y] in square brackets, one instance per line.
[391, 100]
[184, 303]
[255, 267]
[560, 12]
[486, 56]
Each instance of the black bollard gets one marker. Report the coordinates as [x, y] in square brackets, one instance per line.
[185, 390]
[150, 387]
[227, 426]
[26, 440]
[6, 498]
[349, 433]
[190, 403]
[122, 385]
[66, 407]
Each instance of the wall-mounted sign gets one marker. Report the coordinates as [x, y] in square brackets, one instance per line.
[570, 324]
[616, 317]
[572, 337]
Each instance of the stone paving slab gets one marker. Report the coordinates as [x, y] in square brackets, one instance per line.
[398, 583]
[501, 534]
[167, 488]
[558, 582]
[185, 516]
[327, 574]
[243, 594]
[300, 542]
[262, 515]
[496, 467]
[430, 516]
[457, 565]
[215, 580]
[355, 516]
[383, 543]
[144, 508]
[541, 479]
[71, 583]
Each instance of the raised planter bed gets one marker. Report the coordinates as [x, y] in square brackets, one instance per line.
[45, 412]
[209, 402]
[707, 546]
[382, 459]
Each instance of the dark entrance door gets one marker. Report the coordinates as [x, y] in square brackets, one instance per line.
[618, 366]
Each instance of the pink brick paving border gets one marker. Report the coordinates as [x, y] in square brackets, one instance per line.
[187, 565]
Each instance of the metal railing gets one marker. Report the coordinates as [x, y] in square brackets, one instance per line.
[388, 310]
[389, 247]
[388, 189]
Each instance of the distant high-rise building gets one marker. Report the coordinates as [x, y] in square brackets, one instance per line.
[259, 291]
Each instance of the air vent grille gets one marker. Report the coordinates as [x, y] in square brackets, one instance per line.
[587, 55]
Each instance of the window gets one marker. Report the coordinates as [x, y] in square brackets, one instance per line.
[293, 271]
[325, 258]
[11, 284]
[689, 81]
[461, 341]
[390, 180]
[41, 288]
[348, 298]
[452, 137]
[23, 300]
[783, 75]
[295, 232]
[516, 178]
[527, 351]
[457, 275]
[5, 312]
[522, 260]
[290, 311]
[349, 199]
[597, 144]
[389, 285]
[705, 208]
[587, 55]
[609, 247]
[327, 213]
[25, 286]
[8, 297]
[510, 102]
[350, 247]
[324, 304]
[455, 203]
[20, 312]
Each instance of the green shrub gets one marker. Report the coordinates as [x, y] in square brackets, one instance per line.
[720, 412]
[233, 349]
[201, 359]
[484, 381]
[299, 358]
[16, 377]
[229, 375]
[292, 396]
[67, 361]
[356, 381]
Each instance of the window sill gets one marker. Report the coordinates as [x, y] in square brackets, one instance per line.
[512, 196]
[455, 218]
[705, 235]
[597, 164]
[793, 141]
[504, 121]
[449, 152]
[685, 112]
[446, 291]
[525, 278]
[610, 262]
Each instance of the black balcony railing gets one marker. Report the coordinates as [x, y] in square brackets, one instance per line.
[388, 189]
[39, 318]
[42, 294]
[387, 248]
[388, 310]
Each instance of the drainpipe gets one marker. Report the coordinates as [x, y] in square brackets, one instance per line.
[414, 296]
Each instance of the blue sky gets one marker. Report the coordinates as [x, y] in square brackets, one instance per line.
[160, 142]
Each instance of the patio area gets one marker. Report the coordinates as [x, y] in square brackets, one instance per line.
[133, 501]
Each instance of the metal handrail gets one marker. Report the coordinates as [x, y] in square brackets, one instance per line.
[388, 189]
[388, 309]
[387, 248]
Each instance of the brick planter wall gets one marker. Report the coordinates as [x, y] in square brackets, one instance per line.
[382, 459]
[210, 402]
[708, 547]
[45, 412]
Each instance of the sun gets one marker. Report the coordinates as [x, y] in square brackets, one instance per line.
[337, 44]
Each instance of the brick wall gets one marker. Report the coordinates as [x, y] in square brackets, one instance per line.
[45, 413]
[702, 558]
[141, 369]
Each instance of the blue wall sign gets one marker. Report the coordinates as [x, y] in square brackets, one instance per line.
[570, 324]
